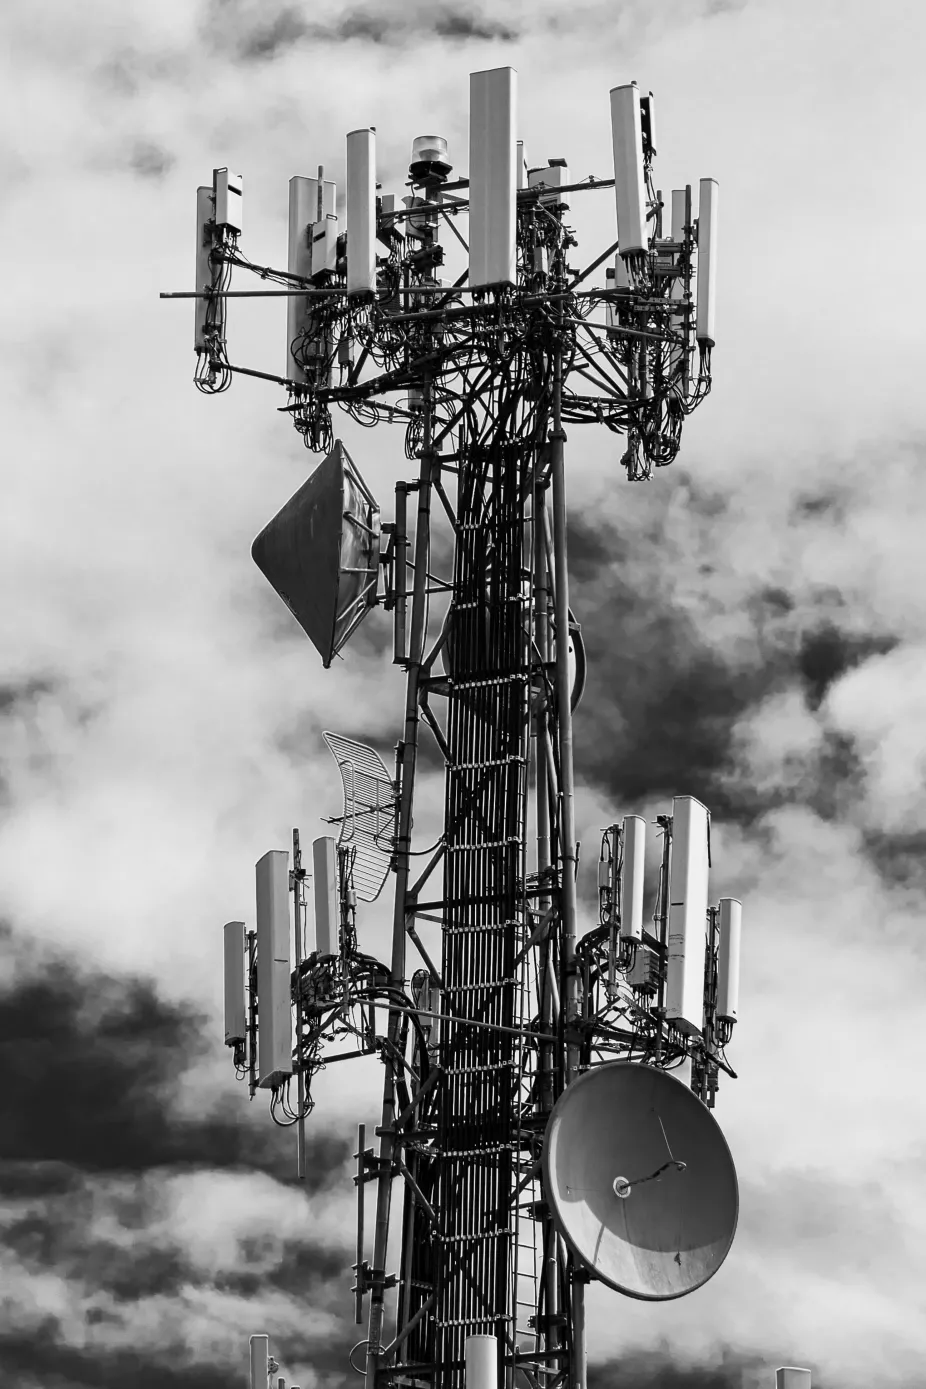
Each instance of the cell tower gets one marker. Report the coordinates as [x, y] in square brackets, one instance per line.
[546, 1095]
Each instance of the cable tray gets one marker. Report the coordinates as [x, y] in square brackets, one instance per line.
[368, 819]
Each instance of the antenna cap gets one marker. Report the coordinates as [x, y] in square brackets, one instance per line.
[430, 157]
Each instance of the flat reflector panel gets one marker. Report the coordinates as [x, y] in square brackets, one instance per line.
[640, 1181]
[368, 822]
[492, 177]
[321, 553]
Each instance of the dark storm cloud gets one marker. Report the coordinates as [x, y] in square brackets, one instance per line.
[660, 1371]
[262, 36]
[89, 1063]
[825, 653]
[663, 700]
[43, 1359]
[89, 1143]
[149, 160]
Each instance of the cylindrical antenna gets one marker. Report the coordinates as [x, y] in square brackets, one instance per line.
[492, 177]
[259, 1347]
[629, 183]
[707, 260]
[634, 842]
[481, 1355]
[728, 959]
[361, 212]
[236, 1026]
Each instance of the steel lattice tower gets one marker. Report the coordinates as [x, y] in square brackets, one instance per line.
[506, 1007]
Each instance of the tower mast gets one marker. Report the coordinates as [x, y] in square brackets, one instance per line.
[494, 1040]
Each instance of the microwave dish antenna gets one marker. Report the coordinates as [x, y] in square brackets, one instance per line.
[640, 1181]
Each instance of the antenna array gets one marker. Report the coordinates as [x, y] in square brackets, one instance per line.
[508, 1008]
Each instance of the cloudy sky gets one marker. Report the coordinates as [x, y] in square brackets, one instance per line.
[755, 621]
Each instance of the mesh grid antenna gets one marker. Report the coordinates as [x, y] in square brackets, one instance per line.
[368, 819]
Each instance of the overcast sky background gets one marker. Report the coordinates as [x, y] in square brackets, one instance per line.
[755, 624]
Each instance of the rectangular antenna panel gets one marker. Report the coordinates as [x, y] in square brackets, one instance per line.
[629, 184]
[361, 212]
[236, 1026]
[678, 215]
[303, 257]
[678, 355]
[556, 176]
[789, 1377]
[521, 164]
[728, 958]
[274, 1015]
[688, 885]
[707, 260]
[327, 895]
[229, 197]
[492, 178]
[259, 1367]
[205, 216]
[634, 850]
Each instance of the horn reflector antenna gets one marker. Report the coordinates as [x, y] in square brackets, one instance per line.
[321, 553]
[640, 1181]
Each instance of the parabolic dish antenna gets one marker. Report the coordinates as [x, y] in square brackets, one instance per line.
[640, 1181]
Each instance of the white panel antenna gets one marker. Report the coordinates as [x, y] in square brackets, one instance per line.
[205, 219]
[707, 260]
[688, 887]
[678, 215]
[274, 1014]
[629, 183]
[327, 895]
[229, 197]
[790, 1377]
[259, 1368]
[728, 959]
[492, 178]
[361, 212]
[235, 1012]
[304, 256]
[634, 849]
[678, 354]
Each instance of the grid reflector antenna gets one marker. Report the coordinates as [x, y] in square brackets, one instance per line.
[368, 820]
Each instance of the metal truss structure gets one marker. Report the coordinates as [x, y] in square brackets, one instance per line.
[505, 1005]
